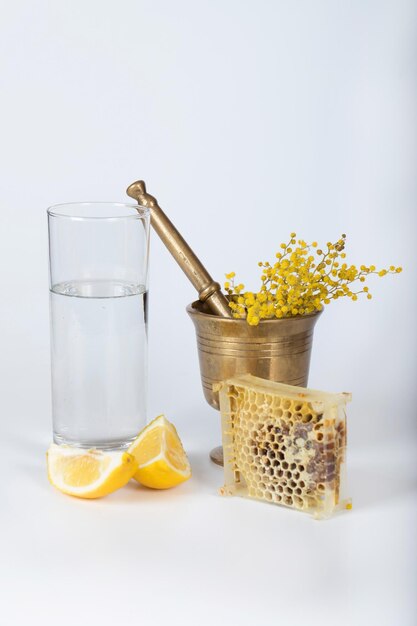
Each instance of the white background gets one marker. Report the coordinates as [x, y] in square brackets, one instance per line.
[247, 121]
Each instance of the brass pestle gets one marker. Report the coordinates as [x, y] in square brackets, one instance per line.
[209, 291]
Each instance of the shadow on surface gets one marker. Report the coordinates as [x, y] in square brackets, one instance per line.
[373, 486]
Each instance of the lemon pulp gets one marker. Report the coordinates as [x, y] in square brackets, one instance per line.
[88, 473]
[158, 451]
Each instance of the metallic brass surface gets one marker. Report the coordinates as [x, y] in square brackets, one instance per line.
[209, 291]
[276, 349]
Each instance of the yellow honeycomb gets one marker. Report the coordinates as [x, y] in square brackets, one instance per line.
[284, 444]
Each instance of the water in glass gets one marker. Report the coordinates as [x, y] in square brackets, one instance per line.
[99, 362]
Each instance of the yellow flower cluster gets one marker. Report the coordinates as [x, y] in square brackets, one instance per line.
[302, 279]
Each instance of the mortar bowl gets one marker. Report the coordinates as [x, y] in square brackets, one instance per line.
[276, 349]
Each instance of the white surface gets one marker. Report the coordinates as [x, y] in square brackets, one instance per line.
[189, 556]
[247, 122]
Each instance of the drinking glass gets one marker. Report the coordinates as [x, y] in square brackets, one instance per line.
[98, 265]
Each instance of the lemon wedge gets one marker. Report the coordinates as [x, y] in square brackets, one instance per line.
[162, 462]
[88, 473]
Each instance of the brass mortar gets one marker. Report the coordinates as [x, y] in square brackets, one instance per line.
[276, 349]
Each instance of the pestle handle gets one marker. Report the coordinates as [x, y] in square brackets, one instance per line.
[208, 290]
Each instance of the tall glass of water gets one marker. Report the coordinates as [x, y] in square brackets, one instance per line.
[98, 256]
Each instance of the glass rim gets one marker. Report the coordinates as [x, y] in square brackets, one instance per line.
[62, 211]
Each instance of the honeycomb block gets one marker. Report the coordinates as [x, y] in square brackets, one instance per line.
[284, 444]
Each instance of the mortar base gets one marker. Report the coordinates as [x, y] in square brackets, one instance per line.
[216, 455]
